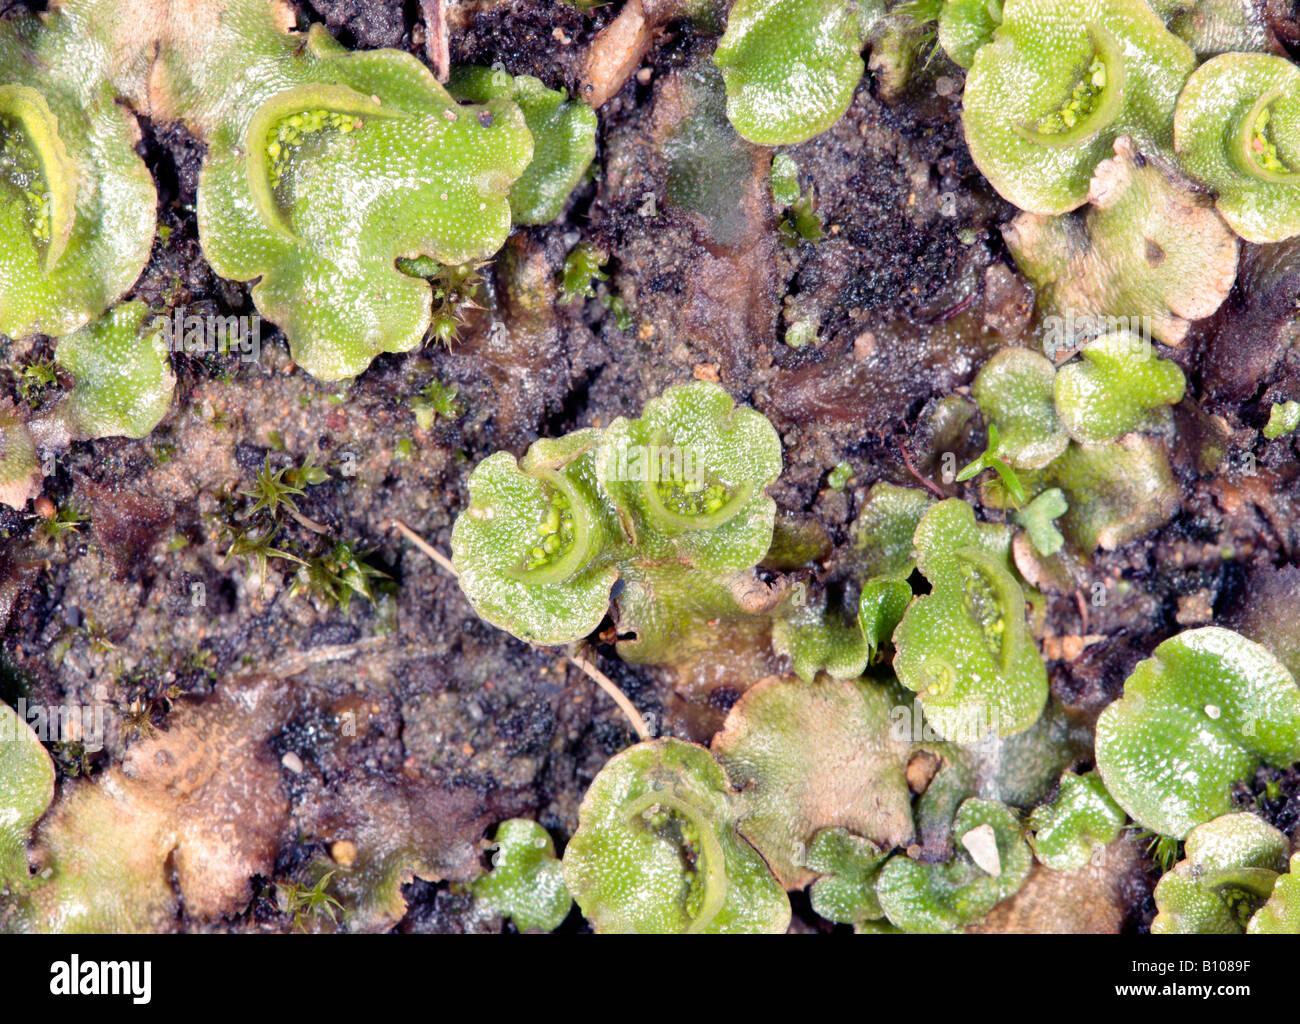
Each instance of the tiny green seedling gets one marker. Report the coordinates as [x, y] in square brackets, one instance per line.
[991, 458]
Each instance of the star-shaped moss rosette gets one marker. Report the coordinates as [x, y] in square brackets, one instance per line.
[1147, 251]
[965, 648]
[535, 548]
[1231, 866]
[1083, 817]
[26, 789]
[808, 756]
[122, 375]
[20, 468]
[564, 137]
[324, 168]
[817, 639]
[1237, 130]
[791, 67]
[847, 867]
[991, 864]
[1059, 83]
[657, 849]
[1281, 914]
[77, 205]
[1117, 491]
[1203, 712]
[1115, 386]
[526, 883]
[674, 503]
[1014, 392]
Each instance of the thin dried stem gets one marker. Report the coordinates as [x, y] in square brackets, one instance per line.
[615, 694]
[437, 37]
[927, 483]
[304, 660]
[425, 547]
[620, 698]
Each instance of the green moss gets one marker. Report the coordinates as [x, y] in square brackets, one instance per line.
[1231, 866]
[847, 867]
[77, 205]
[123, 381]
[1117, 491]
[1205, 711]
[526, 883]
[881, 606]
[1281, 914]
[414, 175]
[433, 400]
[26, 789]
[791, 67]
[965, 26]
[992, 863]
[564, 138]
[583, 267]
[965, 647]
[817, 639]
[1082, 819]
[657, 849]
[1014, 392]
[1237, 130]
[1114, 387]
[883, 531]
[1283, 418]
[1059, 83]
[673, 503]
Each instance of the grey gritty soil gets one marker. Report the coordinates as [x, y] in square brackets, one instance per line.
[899, 287]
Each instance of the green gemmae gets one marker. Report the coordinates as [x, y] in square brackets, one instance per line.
[674, 503]
[1060, 81]
[325, 168]
[1237, 130]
